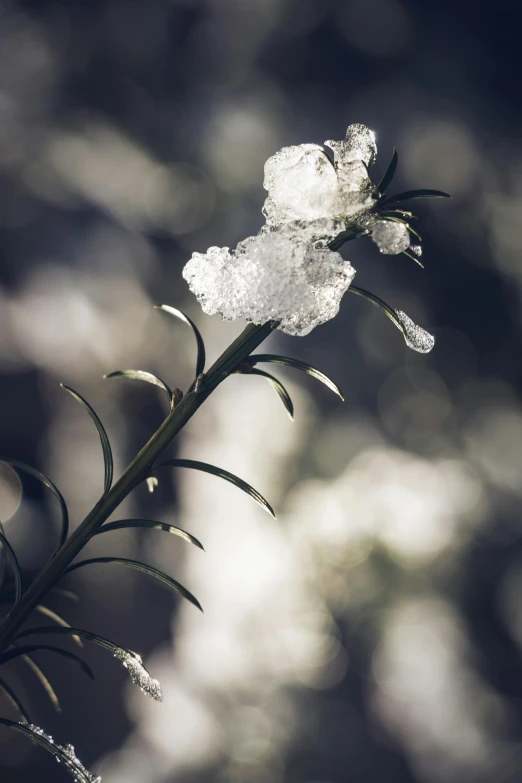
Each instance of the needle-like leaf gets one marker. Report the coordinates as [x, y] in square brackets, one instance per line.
[49, 484]
[151, 525]
[44, 681]
[65, 593]
[15, 701]
[57, 619]
[29, 649]
[221, 473]
[256, 358]
[401, 321]
[401, 213]
[389, 173]
[147, 377]
[130, 660]
[106, 446]
[380, 303]
[146, 569]
[53, 629]
[413, 257]
[278, 386]
[412, 194]
[11, 555]
[61, 753]
[200, 360]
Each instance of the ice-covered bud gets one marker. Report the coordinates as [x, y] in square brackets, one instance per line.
[139, 674]
[358, 145]
[301, 184]
[271, 277]
[390, 237]
[416, 337]
[65, 754]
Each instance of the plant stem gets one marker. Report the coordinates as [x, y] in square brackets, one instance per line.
[54, 569]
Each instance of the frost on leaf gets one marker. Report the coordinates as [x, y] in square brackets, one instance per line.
[271, 277]
[390, 237]
[139, 674]
[416, 337]
[67, 757]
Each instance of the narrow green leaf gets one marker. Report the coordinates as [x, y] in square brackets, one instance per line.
[278, 386]
[65, 593]
[53, 629]
[151, 525]
[412, 194]
[11, 555]
[106, 446]
[256, 358]
[51, 693]
[146, 569]
[380, 303]
[147, 377]
[49, 484]
[27, 650]
[51, 747]
[413, 257]
[57, 619]
[15, 701]
[200, 360]
[402, 213]
[221, 473]
[389, 173]
[130, 660]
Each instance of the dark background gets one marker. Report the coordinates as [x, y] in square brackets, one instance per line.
[375, 632]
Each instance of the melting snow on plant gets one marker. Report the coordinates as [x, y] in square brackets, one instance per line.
[139, 674]
[288, 273]
[65, 754]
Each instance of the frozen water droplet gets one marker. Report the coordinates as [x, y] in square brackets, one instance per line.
[390, 237]
[152, 482]
[358, 145]
[139, 674]
[417, 249]
[416, 338]
[271, 277]
[70, 760]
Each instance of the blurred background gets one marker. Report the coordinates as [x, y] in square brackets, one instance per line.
[374, 630]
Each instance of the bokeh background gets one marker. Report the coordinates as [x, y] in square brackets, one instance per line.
[374, 631]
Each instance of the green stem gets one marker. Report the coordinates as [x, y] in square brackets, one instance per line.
[54, 569]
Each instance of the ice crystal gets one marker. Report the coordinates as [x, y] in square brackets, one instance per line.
[67, 757]
[271, 277]
[390, 237]
[358, 145]
[416, 338]
[139, 674]
[417, 249]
